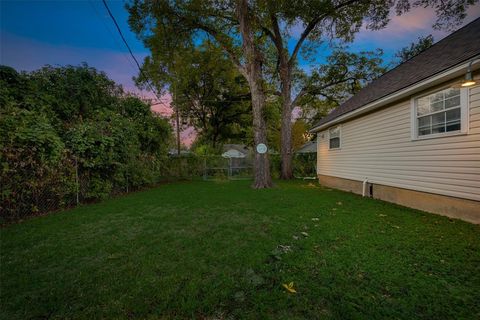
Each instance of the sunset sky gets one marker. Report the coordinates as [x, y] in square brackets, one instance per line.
[35, 33]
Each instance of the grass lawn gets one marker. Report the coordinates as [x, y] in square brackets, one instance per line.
[209, 250]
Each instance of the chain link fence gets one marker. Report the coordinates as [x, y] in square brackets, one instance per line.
[228, 168]
[26, 191]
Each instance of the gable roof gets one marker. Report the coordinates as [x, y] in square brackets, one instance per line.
[232, 153]
[309, 147]
[458, 47]
[239, 147]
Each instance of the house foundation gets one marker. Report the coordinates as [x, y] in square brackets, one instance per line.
[464, 209]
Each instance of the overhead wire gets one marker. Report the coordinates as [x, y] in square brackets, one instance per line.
[147, 81]
[159, 100]
[91, 2]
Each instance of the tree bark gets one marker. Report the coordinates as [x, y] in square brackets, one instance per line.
[285, 72]
[286, 151]
[262, 177]
[253, 70]
[178, 129]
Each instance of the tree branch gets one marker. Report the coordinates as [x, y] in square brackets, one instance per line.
[218, 37]
[277, 36]
[318, 90]
[312, 26]
[300, 95]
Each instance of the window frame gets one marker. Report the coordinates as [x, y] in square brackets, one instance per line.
[464, 115]
[339, 126]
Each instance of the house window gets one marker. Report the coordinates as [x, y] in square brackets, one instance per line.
[334, 137]
[440, 113]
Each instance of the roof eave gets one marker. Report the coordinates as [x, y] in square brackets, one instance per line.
[449, 74]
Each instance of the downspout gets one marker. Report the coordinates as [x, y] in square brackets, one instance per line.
[364, 185]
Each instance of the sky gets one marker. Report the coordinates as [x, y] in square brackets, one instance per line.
[62, 32]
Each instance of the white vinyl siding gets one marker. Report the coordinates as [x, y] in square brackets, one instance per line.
[379, 146]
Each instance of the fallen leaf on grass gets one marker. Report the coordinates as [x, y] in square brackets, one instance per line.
[284, 248]
[289, 287]
[304, 234]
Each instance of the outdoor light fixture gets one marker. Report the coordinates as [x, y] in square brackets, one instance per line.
[468, 81]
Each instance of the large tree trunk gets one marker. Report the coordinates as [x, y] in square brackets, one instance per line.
[261, 163]
[253, 73]
[286, 128]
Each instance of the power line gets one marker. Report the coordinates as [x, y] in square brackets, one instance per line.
[159, 101]
[140, 69]
[130, 50]
[121, 34]
[111, 34]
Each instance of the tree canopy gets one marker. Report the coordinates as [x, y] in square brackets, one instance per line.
[209, 93]
[248, 30]
[408, 52]
[54, 116]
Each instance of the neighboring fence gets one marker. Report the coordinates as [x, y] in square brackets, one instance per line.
[25, 192]
[304, 165]
[228, 168]
[220, 168]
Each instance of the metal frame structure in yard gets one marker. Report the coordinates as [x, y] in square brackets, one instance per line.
[228, 168]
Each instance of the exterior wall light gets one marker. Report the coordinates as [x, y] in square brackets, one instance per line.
[468, 81]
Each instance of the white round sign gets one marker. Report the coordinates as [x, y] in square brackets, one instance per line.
[261, 148]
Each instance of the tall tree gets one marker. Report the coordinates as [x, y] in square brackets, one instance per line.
[210, 94]
[413, 49]
[245, 28]
[327, 21]
[169, 26]
[55, 119]
[343, 75]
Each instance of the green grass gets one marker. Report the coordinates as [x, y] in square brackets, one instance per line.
[209, 250]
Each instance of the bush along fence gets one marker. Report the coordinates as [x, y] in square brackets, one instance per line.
[27, 190]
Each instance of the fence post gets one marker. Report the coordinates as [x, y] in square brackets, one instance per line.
[77, 182]
[204, 167]
[127, 180]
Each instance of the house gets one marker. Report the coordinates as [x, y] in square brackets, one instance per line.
[412, 136]
[239, 159]
[174, 152]
[235, 151]
[309, 147]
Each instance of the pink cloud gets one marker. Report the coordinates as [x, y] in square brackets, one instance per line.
[163, 106]
[28, 55]
[188, 136]
[401, 30]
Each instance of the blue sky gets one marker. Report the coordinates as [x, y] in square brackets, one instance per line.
[35, 33]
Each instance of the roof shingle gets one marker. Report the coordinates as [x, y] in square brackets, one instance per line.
[458, 47]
